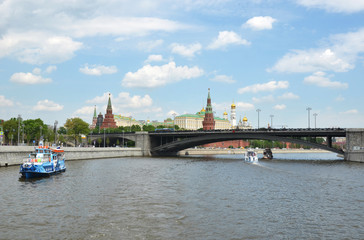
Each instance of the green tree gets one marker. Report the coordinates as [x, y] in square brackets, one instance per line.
[34, 129]
[148, 128]
[99, 140]
[76, 127]
[11, 130]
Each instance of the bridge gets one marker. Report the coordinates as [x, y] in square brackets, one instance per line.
[170, 142]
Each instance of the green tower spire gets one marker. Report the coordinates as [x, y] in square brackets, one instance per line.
[109, 103]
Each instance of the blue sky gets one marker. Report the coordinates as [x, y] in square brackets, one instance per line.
[58, 59]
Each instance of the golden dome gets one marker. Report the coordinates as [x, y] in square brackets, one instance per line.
[225, 113]
[233, 106]
[203, 110]
[245, 119]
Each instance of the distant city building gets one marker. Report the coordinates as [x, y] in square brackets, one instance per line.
[244, 124]
[122, 121]
[109, 121]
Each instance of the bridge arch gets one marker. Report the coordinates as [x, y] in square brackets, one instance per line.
[182, 144]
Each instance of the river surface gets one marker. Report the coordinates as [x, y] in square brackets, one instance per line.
[294, 196]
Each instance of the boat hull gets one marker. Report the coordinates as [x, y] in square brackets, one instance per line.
[44, 170]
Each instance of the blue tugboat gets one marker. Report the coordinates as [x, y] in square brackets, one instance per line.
[44, 161]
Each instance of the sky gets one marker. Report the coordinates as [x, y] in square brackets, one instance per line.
[59, 59]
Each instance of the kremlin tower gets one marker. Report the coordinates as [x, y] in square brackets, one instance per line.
[208, 122]
[109, 121]
[233, 116]
[94, 120]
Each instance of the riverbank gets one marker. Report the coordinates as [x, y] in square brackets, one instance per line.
[14, 155]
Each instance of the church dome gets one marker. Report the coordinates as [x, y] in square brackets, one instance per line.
[225, 113]
[245, 119]
[233, 106]
[203, 110]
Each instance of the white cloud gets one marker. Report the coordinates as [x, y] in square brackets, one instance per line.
[320, 79]
[226, 38]
[311, 61]
[51, 69]
[351, 111]
[223, 79]
[150, 45]
[5, 102]
[125, 100]
[348, 6]
[118, 26]
[29, 78]
[260, 23]
[339, 56]
[265, 87]
[100, 99]
[156, 76]
[289, 95]
[339, 98]
[154, 58]
[279, 107]
[171, 113]
[243, 106]
[98, 70]
[186, 51]
[87, 110]
[268, 98]
[38, 47]
[49, 106]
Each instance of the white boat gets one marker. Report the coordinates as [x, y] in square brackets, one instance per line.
[251, 156]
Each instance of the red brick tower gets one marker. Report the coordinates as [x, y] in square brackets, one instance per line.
[208, 122]
[109, 121]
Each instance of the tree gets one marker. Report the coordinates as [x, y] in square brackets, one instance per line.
[148, 128]
[34, 129]
[76, 127]
[11, 130]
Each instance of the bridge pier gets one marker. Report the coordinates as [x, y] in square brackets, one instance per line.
[355, 144]
[143, 141]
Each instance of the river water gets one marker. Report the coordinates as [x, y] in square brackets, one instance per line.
[295, 196]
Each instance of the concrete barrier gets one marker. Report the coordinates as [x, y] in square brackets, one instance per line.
[14, 155]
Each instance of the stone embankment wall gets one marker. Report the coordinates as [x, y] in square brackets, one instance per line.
[14, 155]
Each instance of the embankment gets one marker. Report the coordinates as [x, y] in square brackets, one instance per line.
[14, 155]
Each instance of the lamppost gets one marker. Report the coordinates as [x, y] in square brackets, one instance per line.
[123, 139]
[271, 120]
[130, 123]
[308, 110]
[19, 118]
[258, 111]
[104, 137]
[315, 115]
[23, 133]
